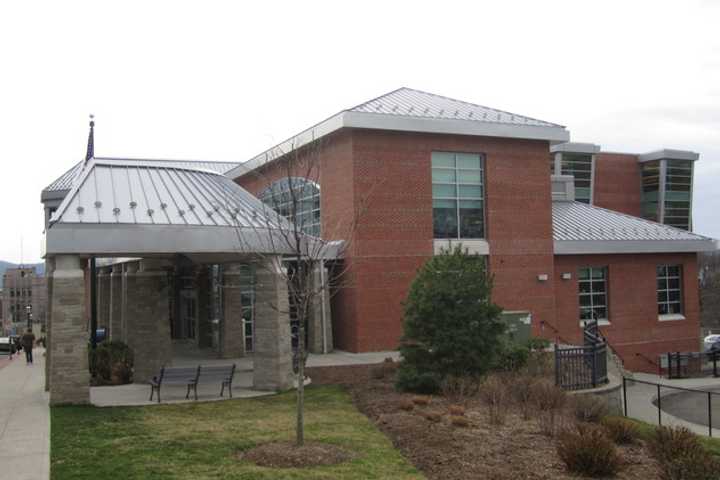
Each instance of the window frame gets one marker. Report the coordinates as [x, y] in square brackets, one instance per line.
[457, 198]
[591, 293]
[666, 277]
[273, 194]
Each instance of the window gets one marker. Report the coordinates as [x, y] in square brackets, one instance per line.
[593, 293]
[579, 165]
[458, 195]
[650, 196]
[247, 302]
[678, 185]
[669, 289]
[279, 196]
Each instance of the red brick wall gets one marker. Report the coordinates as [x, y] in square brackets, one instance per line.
[617, 183]
[634, 331]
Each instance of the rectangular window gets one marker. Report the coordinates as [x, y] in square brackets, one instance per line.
[678, 187]
[458, 190]
[650, 196]
[579, 165]
[592, 283]
[669, 289]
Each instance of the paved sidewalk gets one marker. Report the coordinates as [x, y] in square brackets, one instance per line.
[24, 420]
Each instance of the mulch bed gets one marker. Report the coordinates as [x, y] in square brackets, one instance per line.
[288, 455]
[441, 450]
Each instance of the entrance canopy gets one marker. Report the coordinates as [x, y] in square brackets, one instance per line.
[129, 208]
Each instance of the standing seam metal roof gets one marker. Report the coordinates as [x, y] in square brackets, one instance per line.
[159, 193]
[416, 103]
[576, 221]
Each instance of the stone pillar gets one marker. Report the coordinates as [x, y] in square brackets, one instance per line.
[147, 318]
[272, 360]
[204, 291]
[319, 313]
[49, 269]
[103, 301]
[232, 340]
[115, 310]
[69, 374]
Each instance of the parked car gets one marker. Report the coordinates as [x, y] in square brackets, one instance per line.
[711, 343]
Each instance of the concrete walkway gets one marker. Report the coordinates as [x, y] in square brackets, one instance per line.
[24, 420]
[641, 398]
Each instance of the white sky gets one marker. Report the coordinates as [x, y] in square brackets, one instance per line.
[226, 80]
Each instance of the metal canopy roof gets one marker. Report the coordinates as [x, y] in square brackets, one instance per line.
[139, 208]
[410, 110]
[579, 228]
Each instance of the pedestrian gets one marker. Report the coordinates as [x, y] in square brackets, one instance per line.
[28, 341]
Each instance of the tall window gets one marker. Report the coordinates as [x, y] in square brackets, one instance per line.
[458, 195]
[678, 185]
[669, 289]
[650, 197]
[593, 293]
[579, 165]
[279, 196]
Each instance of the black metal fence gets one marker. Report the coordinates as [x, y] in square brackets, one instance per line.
[662, 404]
[690, 364]
[578, 368]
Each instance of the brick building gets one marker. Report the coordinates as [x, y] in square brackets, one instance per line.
[24, 300]
[596, 233]
[163, 254]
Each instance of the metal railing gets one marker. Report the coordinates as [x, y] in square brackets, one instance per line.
[691, 405]
[578, 368]
[689, 364]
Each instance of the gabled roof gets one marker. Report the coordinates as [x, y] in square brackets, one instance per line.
[63, 183]
[579, 228]
[416, 103]
[410, 110]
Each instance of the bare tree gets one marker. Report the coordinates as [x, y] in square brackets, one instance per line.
[291, 224]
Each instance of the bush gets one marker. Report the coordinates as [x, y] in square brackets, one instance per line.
[495, 395]
[621, 430]
[586, 449]
[410, 380]
[537, 344]
[459, 421]
[111, 362]
[681, 456]
[433, 416]
[451, 327]
[521, 388]
[541, 364]
[456, 410]
[459, 389]
[406, 405]
[420, 400]
[549, 401]
[589, 408]
[513, 357]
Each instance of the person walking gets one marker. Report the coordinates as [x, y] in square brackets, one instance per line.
[28, 341]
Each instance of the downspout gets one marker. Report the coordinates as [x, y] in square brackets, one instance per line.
[322, 305]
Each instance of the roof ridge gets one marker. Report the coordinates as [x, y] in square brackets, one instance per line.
[167, 160]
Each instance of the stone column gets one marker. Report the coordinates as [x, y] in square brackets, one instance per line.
[69, 374]
[49, 269]
[147, 318]
[204, 290]
[232, 338]
[272, 360]
[319, 313]
[115, 310]
[103, 301]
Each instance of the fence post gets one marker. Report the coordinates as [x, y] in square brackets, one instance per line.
[625, 396]
[557, 366]
[709, 414]
[658, 405]
[594, 365]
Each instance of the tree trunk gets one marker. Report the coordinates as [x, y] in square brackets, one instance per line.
[300, 428]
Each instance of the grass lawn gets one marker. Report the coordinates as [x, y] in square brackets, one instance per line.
[201, 440]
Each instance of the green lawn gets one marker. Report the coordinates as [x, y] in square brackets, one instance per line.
[200, 440]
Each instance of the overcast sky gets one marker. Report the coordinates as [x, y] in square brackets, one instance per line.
[226, 80]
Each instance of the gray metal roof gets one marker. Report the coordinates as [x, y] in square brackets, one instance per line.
[415, 103]
[64, 182]
[581, 228]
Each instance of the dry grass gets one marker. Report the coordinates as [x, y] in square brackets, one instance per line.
[421, 400]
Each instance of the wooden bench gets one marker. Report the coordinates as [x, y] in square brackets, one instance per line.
[191, 376]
